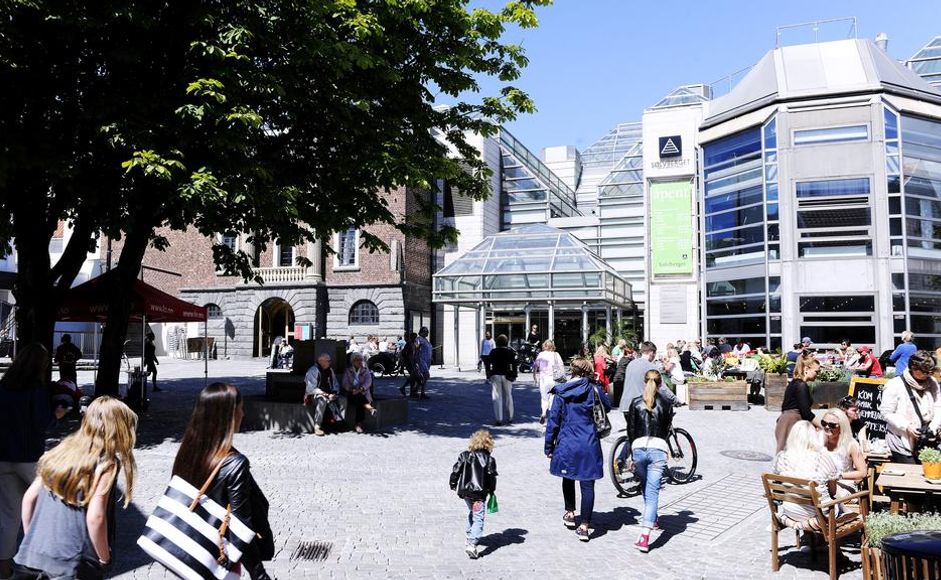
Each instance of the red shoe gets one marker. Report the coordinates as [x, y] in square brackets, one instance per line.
[656, 524]
[643, 543]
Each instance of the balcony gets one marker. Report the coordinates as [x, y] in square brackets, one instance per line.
[284, 275]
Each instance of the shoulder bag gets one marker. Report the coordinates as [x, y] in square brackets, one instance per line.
[926, 438]
[192, 535]
[598, 414]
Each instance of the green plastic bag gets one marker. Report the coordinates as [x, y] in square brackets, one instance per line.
[493, 506]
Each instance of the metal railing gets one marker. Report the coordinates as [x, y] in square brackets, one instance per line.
[540, 171]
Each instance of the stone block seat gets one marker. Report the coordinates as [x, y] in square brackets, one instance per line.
[282, 409]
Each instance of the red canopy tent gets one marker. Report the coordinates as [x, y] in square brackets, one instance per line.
[88, 302]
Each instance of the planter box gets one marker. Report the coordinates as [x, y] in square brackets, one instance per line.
[828, 394]
[774, 392]
[718, 396]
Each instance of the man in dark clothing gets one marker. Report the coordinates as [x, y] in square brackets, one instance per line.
[501, 370]
[724, 346]
[534, 338]
[67, 356]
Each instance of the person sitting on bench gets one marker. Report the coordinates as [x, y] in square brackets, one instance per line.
[323, 391]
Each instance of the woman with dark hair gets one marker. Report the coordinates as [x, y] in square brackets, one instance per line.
[572, 443]
[25, 414]
[649, 419]
[207, 443]
[907, 423]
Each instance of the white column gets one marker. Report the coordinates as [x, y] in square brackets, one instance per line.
[529, 323]
[481, 318]
[585, 332]
[457, 336]
[607, 319]
[314, 254]
[551, 329]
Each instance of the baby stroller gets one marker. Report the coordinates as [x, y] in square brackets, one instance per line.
[66, 394]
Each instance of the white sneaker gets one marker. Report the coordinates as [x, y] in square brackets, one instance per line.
[471, 551]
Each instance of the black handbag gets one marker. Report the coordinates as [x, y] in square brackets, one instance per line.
[599, 415]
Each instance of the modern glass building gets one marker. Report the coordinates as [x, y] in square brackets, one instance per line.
[821, 183]
[927, 62]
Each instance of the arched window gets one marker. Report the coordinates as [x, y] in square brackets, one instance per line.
[364, 312]
[214, 310]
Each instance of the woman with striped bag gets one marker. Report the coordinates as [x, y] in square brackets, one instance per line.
[221, 527]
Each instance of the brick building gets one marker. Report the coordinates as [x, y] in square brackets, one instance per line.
[347, 293]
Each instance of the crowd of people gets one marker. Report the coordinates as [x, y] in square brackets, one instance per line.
[64, 499]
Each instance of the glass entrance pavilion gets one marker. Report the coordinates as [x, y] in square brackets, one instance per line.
[534, 273]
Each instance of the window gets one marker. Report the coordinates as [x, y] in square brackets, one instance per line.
[921, 173]
[347, 249]
[364, 312]
[893, 183]
[231, 241]
[831, 135]
[740, 308]
[734, 213]
[213, 310]
[285, 256]
[831, 319]
[834, 218]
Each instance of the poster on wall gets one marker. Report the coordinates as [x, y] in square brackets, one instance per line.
[671, 228]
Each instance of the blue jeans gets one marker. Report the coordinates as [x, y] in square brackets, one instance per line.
[476, 510]
[648, 466]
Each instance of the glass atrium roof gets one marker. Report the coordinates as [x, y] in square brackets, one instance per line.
[927, 62]
[685, 95]
[532, 263]
[611, 148]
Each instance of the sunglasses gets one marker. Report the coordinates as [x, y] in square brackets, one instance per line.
[829, 425]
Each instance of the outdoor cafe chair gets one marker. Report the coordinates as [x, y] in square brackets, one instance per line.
[826, 522]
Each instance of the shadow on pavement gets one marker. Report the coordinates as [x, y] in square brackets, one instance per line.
[507, 537]
[614, 520]
[816, 558]
[673, 525]
[129, 526]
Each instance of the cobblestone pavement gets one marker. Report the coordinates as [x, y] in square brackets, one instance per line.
[380, 504]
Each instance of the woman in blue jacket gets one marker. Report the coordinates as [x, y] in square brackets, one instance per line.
[903, 352]
[572, 443]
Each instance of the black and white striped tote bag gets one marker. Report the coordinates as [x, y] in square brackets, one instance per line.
[192, 535]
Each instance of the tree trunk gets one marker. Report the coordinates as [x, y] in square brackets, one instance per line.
[119, 311]
[36, 300]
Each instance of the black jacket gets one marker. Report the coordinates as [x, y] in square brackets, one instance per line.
[474, 475]
[501, 361]
[234, 484]
[644, 423]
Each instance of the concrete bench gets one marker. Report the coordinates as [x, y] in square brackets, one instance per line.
[263, 414]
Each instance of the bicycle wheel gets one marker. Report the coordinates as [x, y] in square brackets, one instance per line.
[624, 482]
[683, 457]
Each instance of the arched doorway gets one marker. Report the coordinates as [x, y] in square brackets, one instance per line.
[274, 318]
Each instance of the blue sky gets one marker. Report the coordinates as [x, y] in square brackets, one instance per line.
[596, 63]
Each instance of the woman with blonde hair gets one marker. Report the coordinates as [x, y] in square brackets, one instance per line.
[572, 444]
[903, 352]
[798, 402]
[601, 360]
[68, 511]
[805, 457]
[649, 419]
[546, 369]
[845, 451]
[208, 443]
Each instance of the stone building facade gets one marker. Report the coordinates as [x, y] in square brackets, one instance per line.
[346, 292]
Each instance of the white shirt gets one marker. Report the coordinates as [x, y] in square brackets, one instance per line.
[741, 351]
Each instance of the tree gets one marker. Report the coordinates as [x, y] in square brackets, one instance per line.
[278, 118]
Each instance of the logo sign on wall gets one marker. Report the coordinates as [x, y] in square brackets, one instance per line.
[671, 228]
[671, 146]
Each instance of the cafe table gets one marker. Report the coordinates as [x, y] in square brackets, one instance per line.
[904, 482]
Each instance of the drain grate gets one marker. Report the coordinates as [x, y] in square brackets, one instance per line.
[317, 551]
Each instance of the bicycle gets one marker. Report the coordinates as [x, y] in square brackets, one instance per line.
[681, 462]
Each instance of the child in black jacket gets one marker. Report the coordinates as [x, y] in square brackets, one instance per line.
[474, 477]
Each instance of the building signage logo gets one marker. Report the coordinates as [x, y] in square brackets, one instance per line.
[671, 146]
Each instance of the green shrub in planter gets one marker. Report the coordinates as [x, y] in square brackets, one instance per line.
[929, 455]
[884, 524]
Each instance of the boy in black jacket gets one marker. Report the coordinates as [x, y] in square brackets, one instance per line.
[474, 477]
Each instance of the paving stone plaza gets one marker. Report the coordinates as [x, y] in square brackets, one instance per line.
[378, 505]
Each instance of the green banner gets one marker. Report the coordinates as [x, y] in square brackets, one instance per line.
[671, 228]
